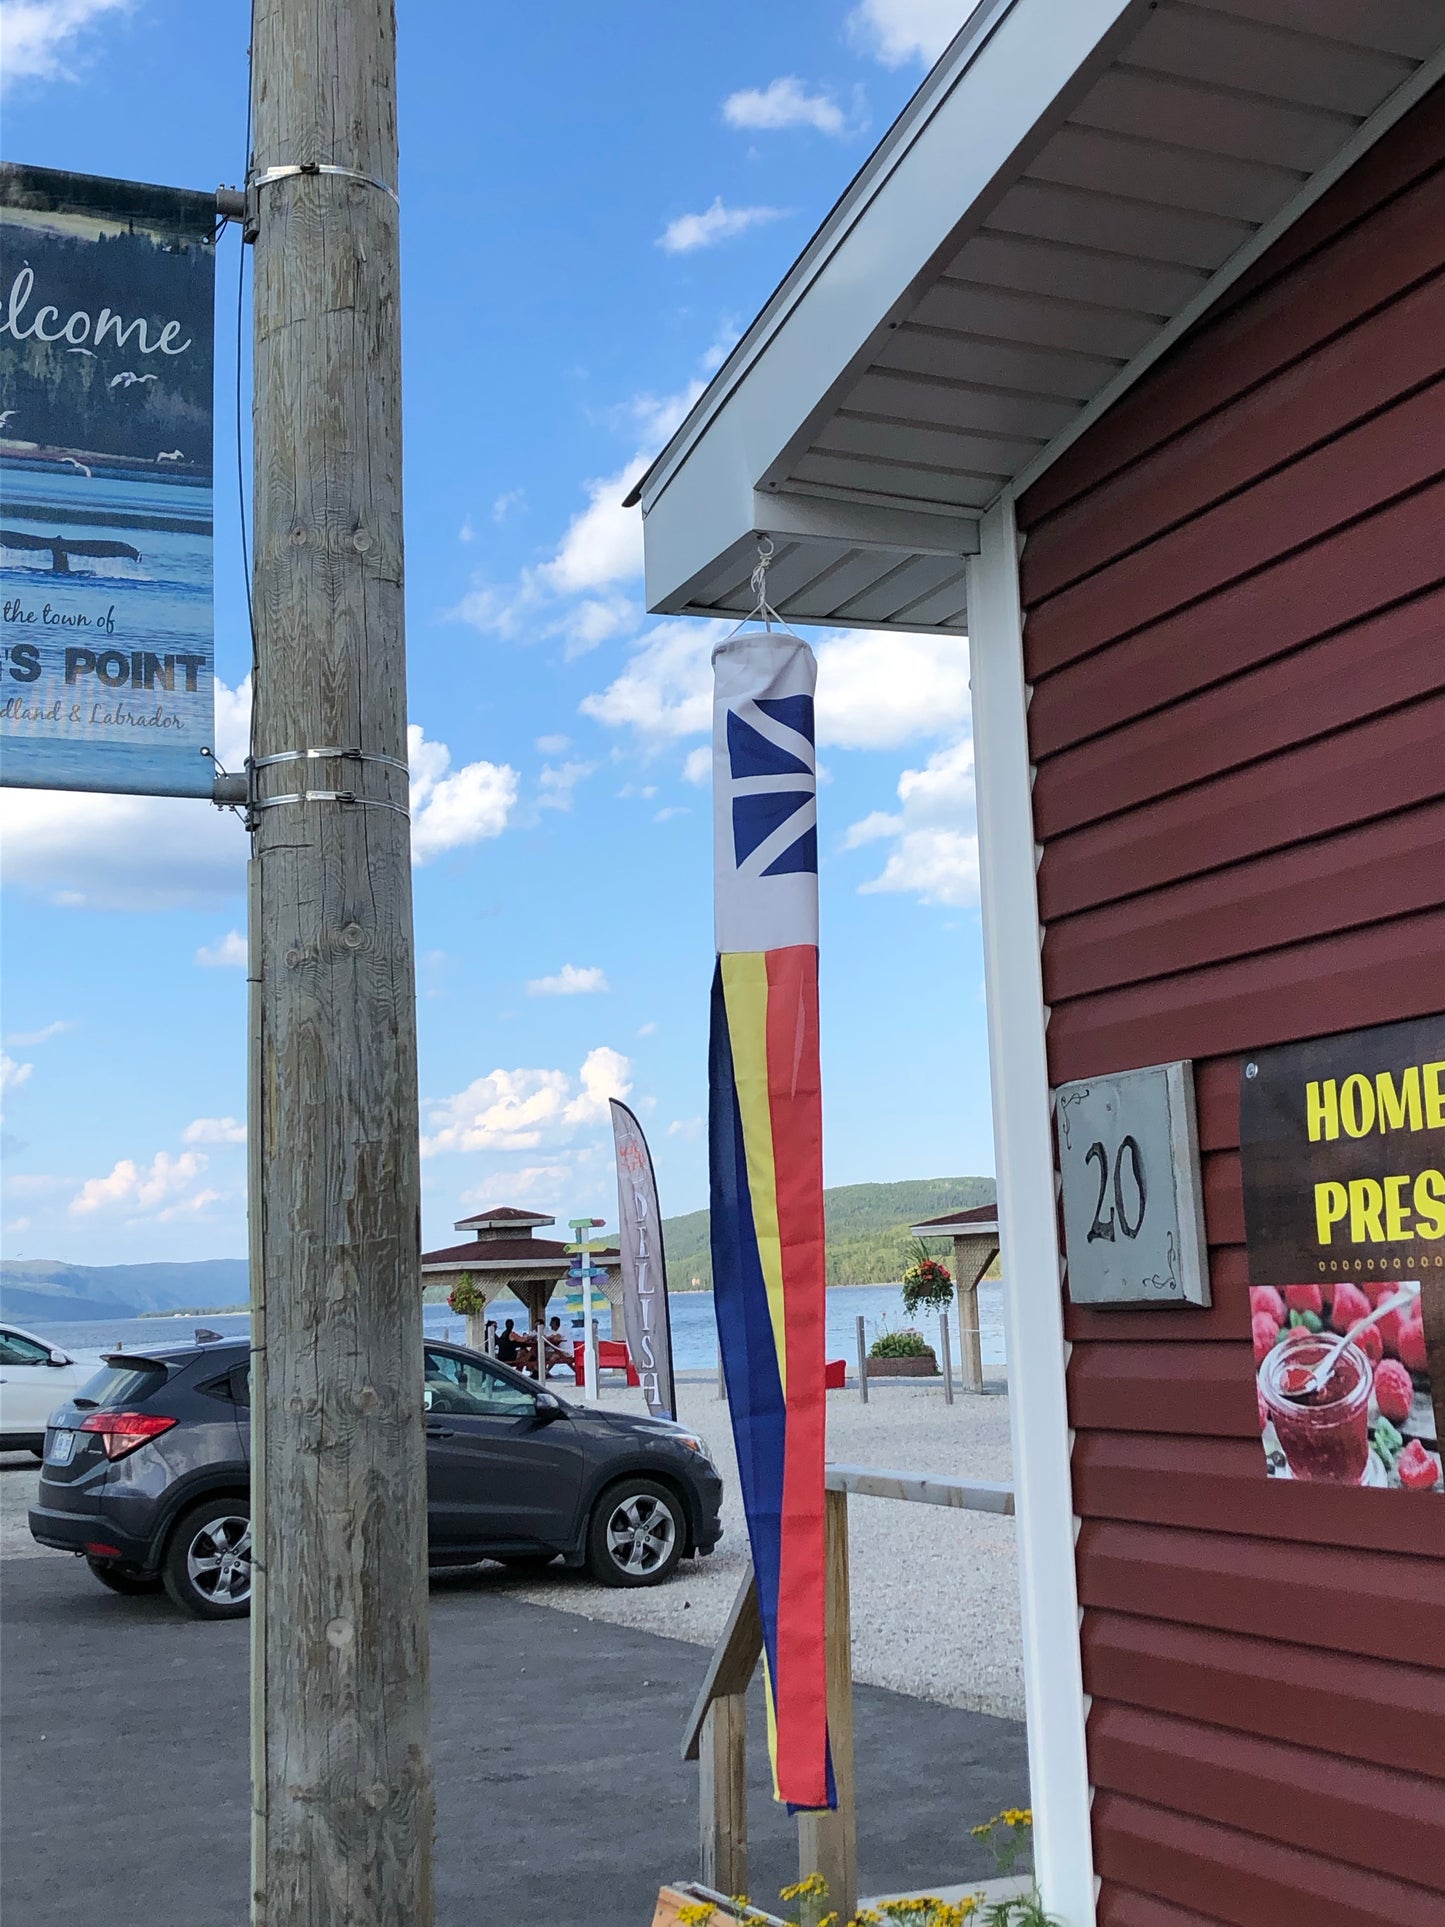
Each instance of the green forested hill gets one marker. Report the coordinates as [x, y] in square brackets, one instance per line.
[867, 1229]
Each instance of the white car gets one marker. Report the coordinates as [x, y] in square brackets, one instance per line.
[34, 1378]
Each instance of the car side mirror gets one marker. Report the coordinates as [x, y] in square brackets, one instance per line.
[58, 1357]
[550, 1408]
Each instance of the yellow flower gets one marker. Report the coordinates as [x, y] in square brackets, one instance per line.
[695, 1913]
[815, 1887]
[1017, 1817]
[982, 1833]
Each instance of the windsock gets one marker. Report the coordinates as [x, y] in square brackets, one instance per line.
[766, 1155]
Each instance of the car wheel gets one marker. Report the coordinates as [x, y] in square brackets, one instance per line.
[124, 1579]
[635, 1535]
[207, 1568]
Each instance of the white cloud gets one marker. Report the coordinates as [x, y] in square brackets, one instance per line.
[876, 689]
[897, 31]
[554, 745]
[522, 1186]
[671, 810]
[157, 853]
[934, 853]
[228, 952]
[558, 781]
[28, 1039]
[144, 1187]
[600, 548]
[698, 766]
[449, 811]
[685, 1127]
[646, 1030]
[508, 500]
[784, 102]
[13, 1074]
[38, 37]
[214, 1130]
[716, 223]
[516, 1110]
[572, 980]
[466, 533]
[666, 688]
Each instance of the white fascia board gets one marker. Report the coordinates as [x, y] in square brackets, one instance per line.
[1011, 76]
[682, 551]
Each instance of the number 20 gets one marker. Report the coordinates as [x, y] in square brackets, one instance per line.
[1104, 1227]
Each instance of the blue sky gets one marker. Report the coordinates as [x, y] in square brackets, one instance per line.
[595, 201]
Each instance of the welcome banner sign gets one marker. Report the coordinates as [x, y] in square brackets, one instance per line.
[107, 301]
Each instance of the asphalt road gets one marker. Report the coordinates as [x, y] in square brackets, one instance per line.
[123, 1764]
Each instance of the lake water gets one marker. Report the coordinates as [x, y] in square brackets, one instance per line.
[694, 1330]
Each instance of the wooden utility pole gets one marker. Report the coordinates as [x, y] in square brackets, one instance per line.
[343, 1790]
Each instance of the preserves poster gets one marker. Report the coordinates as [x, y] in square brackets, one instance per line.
[106, 351]
[1342, 1142]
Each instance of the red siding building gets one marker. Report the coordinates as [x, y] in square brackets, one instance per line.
[1124, 357]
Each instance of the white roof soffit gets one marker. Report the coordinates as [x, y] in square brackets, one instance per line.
[1072, 186]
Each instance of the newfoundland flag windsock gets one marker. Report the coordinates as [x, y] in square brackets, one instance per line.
[766, 1153]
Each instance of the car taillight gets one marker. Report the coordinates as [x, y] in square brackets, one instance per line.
[122, 1432]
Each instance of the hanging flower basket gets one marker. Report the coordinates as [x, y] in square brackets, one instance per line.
[465, 1298]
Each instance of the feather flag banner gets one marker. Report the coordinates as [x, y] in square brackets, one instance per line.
[766, 1158]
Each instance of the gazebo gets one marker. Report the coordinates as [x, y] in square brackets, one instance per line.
[503, 1254]
[975, 1246]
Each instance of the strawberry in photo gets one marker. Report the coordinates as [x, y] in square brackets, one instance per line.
[1263, 1330]
[1370, 1343]
[1394, 1392]
[1350, 1306]
[1417, 1469]
[1304, 1298]
[1412, 1342]
[1264, 1299]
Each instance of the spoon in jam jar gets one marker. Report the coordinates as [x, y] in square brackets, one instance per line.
[1317, 1377]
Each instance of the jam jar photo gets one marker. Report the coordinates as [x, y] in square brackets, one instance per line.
[1323, 1433]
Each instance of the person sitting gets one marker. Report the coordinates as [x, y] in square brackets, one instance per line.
[559, 1345]
[509, 1345]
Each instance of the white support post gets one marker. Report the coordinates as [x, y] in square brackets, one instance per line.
[1023, 1151]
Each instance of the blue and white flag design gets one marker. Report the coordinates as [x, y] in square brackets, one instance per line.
[765, 817]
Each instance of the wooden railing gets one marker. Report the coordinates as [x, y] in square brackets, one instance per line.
[716, 1732]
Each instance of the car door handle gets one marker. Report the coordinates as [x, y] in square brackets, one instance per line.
[439, 1432]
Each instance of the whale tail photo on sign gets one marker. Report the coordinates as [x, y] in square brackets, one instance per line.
[106, 364]
[1342, 1144]
[766, 1158]
[644, 1266]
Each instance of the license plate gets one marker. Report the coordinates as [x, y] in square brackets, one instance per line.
[61, 1449]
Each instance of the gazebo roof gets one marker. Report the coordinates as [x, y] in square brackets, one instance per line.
[500, 1216]
[543, 1255]
[979, 1222]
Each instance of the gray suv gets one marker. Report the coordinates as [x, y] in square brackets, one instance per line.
[146, 1475]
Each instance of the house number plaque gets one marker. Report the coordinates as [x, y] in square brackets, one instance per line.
[1133, 1201]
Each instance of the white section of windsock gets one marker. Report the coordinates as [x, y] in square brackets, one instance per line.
[765, 817]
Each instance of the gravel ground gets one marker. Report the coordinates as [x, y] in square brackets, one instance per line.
[935, 1592]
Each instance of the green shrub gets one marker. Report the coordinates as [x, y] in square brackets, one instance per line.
[900, 1344]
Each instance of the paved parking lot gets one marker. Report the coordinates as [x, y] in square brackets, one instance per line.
[123, 1764]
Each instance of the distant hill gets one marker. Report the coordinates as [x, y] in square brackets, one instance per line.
[867, 1245]
[49, 1291]
[867, 1225]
